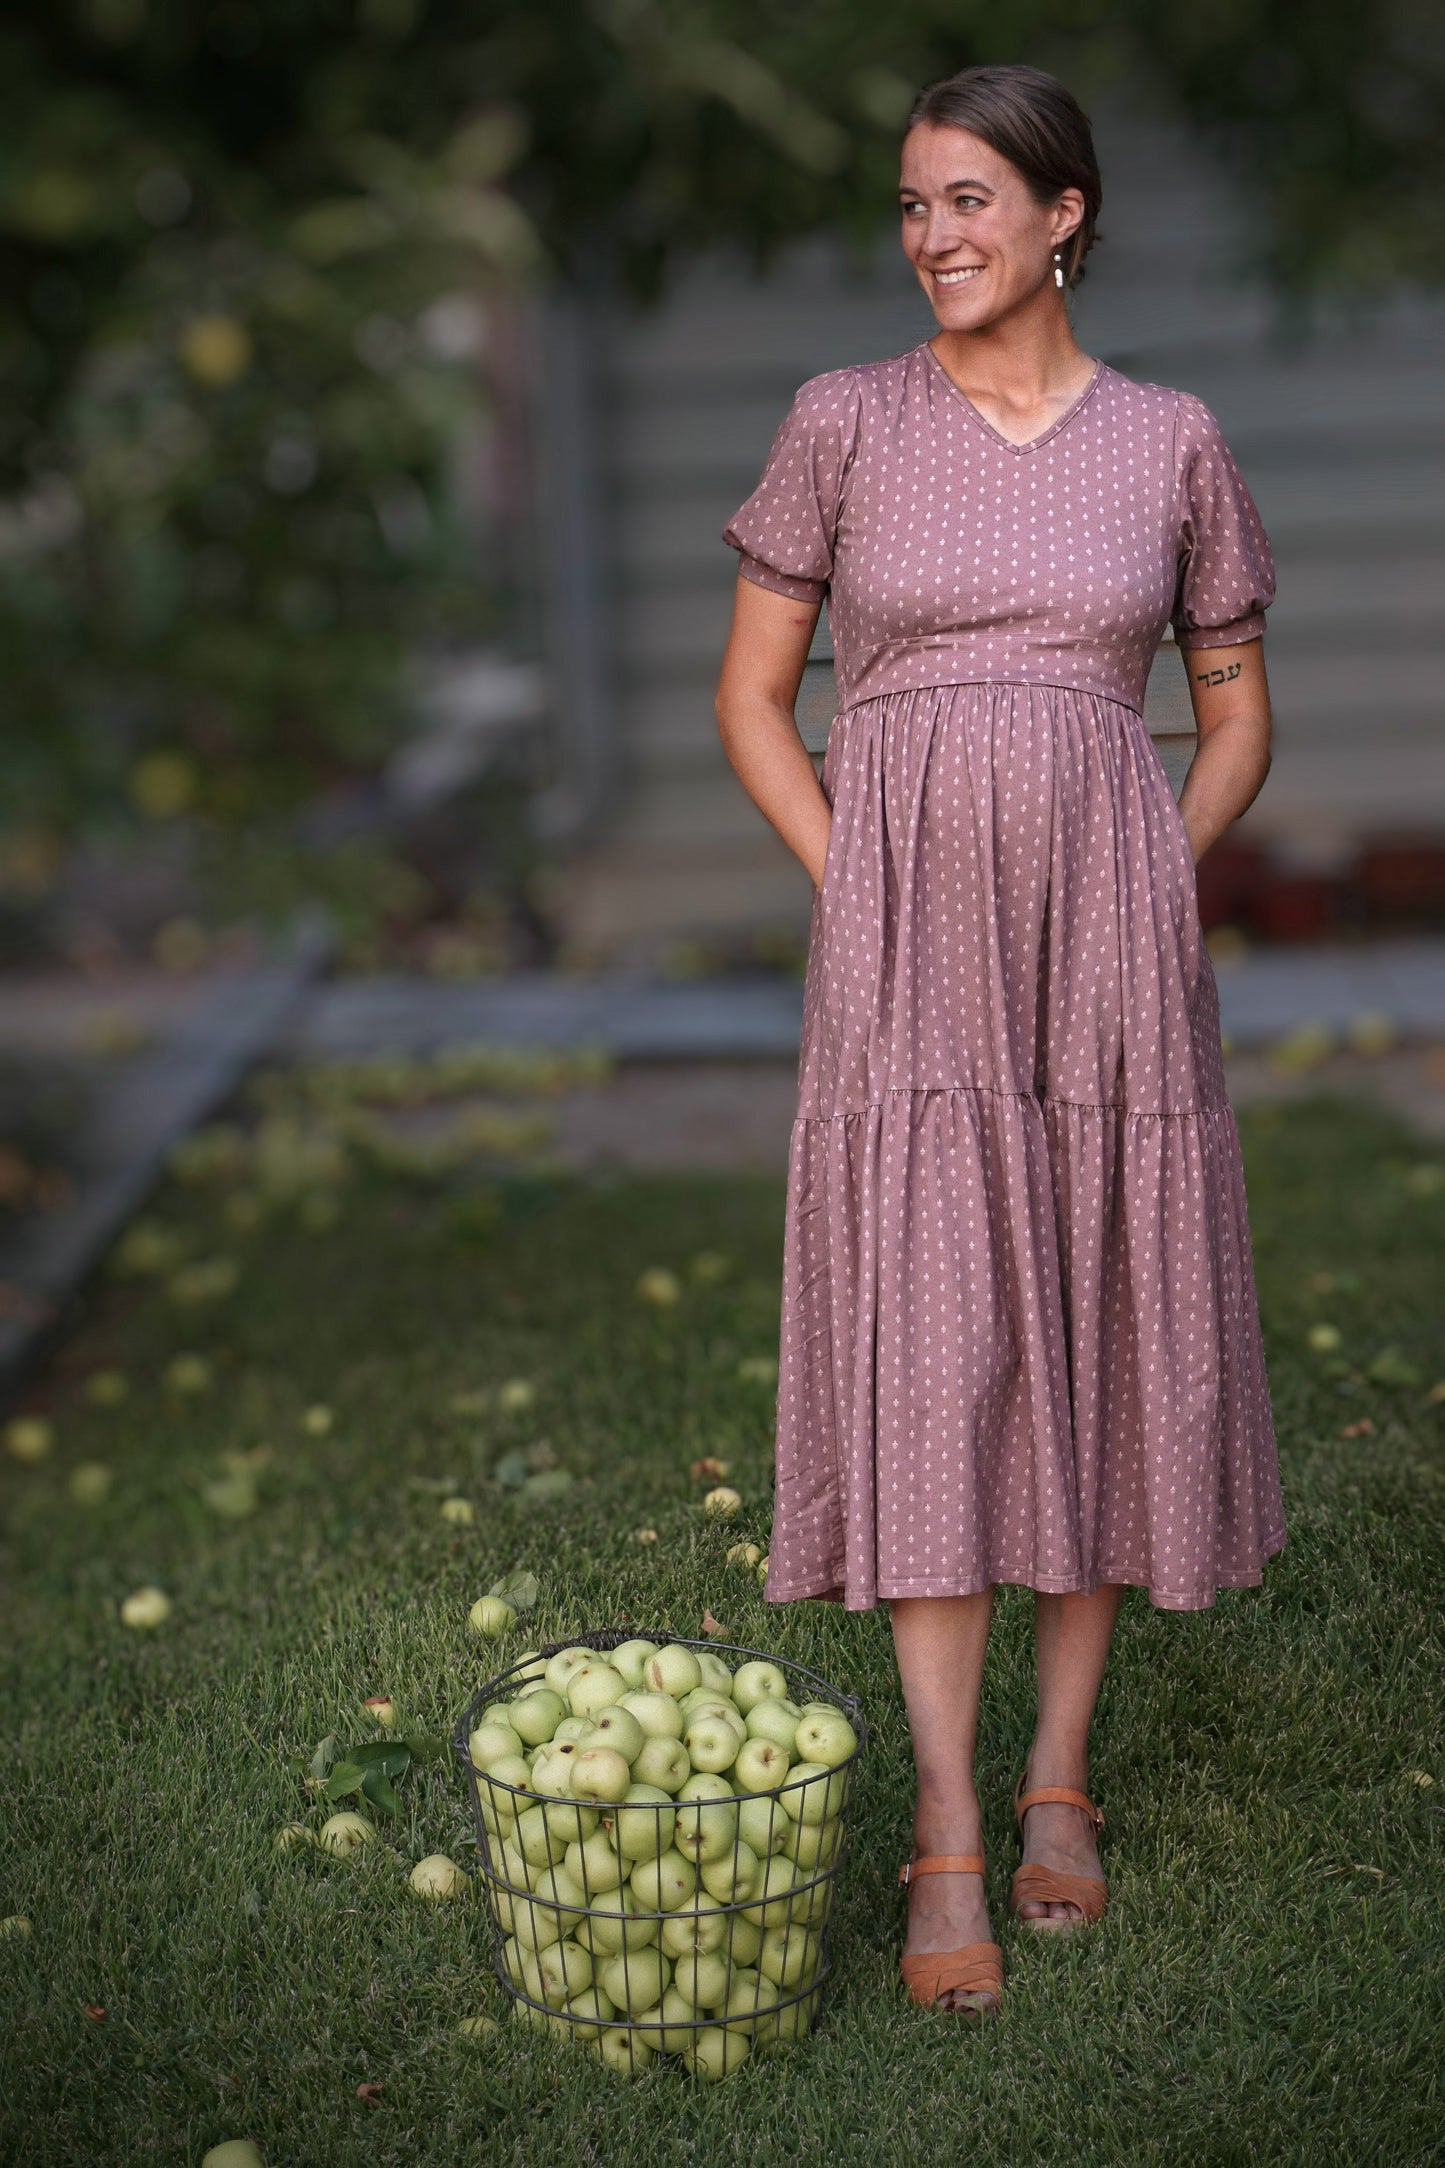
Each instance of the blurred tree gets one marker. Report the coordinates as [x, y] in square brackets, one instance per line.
[246, 250]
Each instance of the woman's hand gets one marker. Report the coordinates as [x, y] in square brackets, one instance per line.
[1230, 697]
[762, 668]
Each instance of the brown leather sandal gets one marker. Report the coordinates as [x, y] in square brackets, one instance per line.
[976, 1969]
[1036, 1884]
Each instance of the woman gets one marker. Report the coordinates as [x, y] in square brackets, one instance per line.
[1020, 1336]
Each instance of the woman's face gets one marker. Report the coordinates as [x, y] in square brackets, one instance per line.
[975, 236]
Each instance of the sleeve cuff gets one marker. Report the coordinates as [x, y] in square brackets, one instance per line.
[781, 583]
[1234, 634]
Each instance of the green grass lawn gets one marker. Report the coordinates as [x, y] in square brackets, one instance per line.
[1266, 1986]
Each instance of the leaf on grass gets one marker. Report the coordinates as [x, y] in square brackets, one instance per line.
[345, 1777]
[425, 1747]
[95, 2011]
[519, 1589]
[321, 1761]
[390, 1755]
[712, 1626]
[376, 1786]
[369, 2093]
[511, 1471]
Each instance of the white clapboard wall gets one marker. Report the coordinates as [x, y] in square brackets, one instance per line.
[1342, 440]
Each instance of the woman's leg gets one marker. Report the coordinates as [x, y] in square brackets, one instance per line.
[1071, 1641]
[941, 1642]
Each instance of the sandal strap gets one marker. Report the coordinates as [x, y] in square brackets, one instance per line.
[941, 1863]
[1036, 1884]
[976, 1969]
[1054, 1794]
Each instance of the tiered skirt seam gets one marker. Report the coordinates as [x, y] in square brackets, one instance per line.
[1038, 1099]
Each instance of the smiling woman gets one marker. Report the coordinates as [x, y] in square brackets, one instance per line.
[1020, 1339]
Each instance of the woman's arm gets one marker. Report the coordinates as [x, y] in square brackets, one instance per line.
[1230, 697]
[762, 668]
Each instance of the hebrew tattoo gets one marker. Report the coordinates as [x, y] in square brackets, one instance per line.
[1218, 677]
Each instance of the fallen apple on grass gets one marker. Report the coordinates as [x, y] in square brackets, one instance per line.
[146, 1608]
[438, 1878]
[492, 1616]
[90, 1483]
[234, 2153]
[29, 1437]
[346, 1834]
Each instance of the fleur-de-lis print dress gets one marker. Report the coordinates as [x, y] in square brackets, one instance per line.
[1020, 1333]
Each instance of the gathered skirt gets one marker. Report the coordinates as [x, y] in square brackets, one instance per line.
[1020, 1338]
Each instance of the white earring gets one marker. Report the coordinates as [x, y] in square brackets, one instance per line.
[1058, 269]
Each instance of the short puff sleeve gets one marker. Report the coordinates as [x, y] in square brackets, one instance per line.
[786, 530]
[1225, 579]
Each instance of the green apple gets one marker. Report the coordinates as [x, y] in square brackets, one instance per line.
[593, 1865]
[642, 1825]
[712, 1744]
[438, 1877]
[291, 1837]
[715, 2054]
[476, 2028]
[810, 1907]
[618, 1728]
[761, 1766]
[669, 2026]
[825, 1736]
[572, 1823]
[707, 1818]
[703, 1979]
[563, 1971]
[609, 1928]
[702, 1927]
[535, 1926]
[503, 1779]
[775, 1720]
[715, 1673]
[535, 1841]
[765, 1825]
[588, 2013]
[789, 1956]
[575, 1729]
[624, 2052]
[146, 1608]
[345, 1834]
[658, 1714]
[662, 1762]
[490, 1741]
[706, 1703]
[554, 1886]
[774, 1893]
[492, 1616]
[561, 1667]
[673, 1670]
[758, 1681]
[636, 1979]
[512, 1864]
[552, 1769]
[234, 2153]
[813, 1845]
[664, 1884]
[737, 1875]
[629, 1660]
[90, 1483]
[600, 1773]
[813, 1791]
[744, 1941]
[535, 1716]
[593, 1688]
[513, 1959]
[749, 1994]
[777, 2030]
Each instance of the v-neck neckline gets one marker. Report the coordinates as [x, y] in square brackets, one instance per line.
[1030, 444]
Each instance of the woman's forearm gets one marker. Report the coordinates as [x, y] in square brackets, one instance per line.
[773, 765]
[1225, 777]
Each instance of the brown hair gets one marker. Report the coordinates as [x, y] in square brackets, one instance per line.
[1028, 117]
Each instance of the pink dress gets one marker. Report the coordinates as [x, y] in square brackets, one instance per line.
[1020, 1333]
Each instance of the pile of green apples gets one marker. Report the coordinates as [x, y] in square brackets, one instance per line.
[661, 1828]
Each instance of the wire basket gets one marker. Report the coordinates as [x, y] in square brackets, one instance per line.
[690, 1922]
